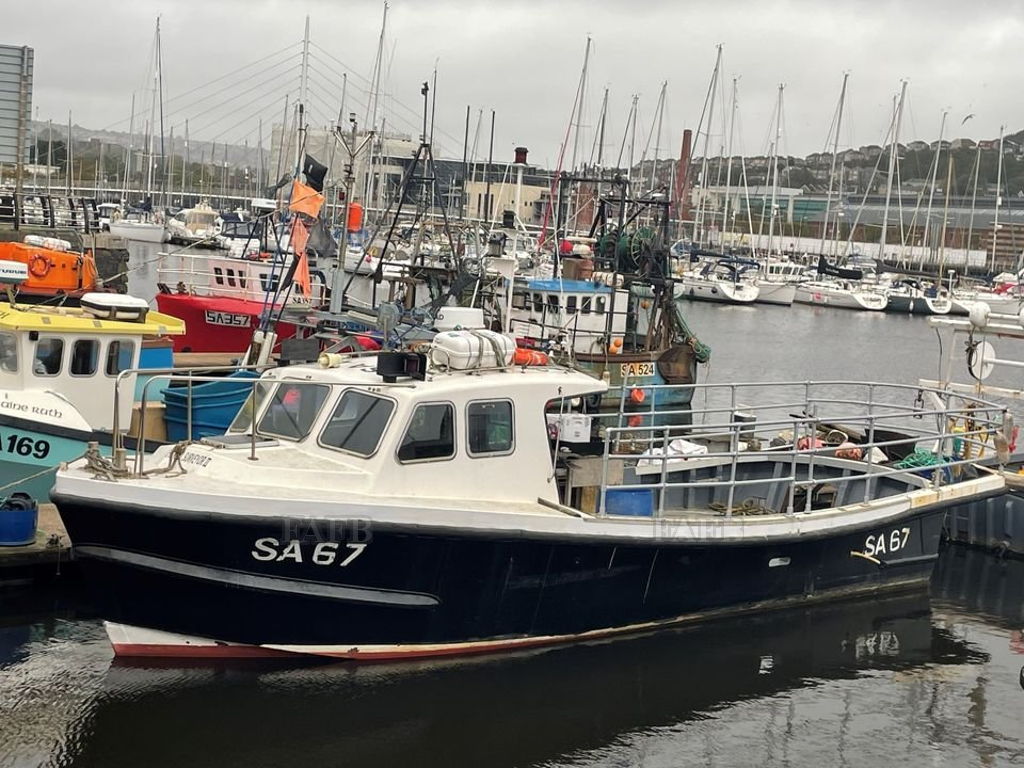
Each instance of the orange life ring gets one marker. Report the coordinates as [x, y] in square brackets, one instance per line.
[38, 265]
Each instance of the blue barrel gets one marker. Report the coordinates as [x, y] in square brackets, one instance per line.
[632, 502]
[19, 515]
[214, 405]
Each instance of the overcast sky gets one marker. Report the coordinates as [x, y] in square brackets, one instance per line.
[522, 58]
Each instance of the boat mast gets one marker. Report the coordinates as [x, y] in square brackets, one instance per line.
[128, 157]
[709, 109]
[999, 200]
[945, 219]
[728, 164]
[931, 186]
[149, 141]
[160, 92]
[893, 158]
[579, 105]
[69, 156]
[371, 109]
[300, 142]
[974, 201]
[657, 138]
[832, 168]
[775, 169]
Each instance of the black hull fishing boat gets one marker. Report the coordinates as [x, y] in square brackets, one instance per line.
[391, 507]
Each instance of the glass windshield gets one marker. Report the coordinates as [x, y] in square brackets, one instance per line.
[292, 410]
[252, 404]
[8, 352]
[357, 424]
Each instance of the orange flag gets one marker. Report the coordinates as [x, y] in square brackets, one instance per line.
[300, 236]
[305, 200]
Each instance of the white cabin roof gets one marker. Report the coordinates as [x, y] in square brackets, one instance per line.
[362, 372]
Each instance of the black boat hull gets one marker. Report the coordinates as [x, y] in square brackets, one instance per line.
[348, 587]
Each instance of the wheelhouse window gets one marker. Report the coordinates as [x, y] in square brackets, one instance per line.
[599, 303]
[120, 354]
[49, 356]
[292, 410]
[586, 303]
[253, 404]
[489, 428]
[570, 305]
[358, 423]
[85, 355]
[430, 434]
[8, 352]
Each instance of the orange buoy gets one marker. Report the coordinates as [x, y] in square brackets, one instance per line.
[523, 356]
[637, 395]
[355, 217]
[38, 265]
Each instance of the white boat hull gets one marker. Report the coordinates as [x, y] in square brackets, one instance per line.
[142, 231]
[776, 293]
[719, 291]
[841, 298]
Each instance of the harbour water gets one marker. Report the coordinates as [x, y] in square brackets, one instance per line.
[910, 679]
[914, 679]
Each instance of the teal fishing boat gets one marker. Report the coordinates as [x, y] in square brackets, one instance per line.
[59, 367]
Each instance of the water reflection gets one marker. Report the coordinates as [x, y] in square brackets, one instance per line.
[903, 678]
[520, 710]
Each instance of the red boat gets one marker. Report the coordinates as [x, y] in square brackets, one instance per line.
[217, 323]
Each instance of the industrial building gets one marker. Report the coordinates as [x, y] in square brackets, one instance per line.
[15, 101]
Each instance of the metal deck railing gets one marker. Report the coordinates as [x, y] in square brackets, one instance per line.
[817, 426]
[784, 442]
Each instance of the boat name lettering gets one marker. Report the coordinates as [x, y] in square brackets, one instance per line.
[230, 319]
[321, 553]
[879, 544]
[38, 410]
[197, 459]
[636, 369]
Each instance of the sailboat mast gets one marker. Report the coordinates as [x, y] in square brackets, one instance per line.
[149, 140]
[999, 198]
[775, 169]
[728, 162]
[371, 107]
[632, 136]
[579, 105]
[974, 202]
[893, 157]
[709, 103]
[128, 157]
[185, 162]
[657, 137]
[832, 167]
[69, 156]
[945, 217]
[931, 187]
[160, 92]
[600, 130]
